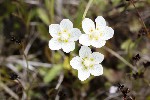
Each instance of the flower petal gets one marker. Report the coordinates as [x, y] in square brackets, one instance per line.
[54, 29]
[98, 43]
[84, 51]
[98, 57]
[84, 40]
[88, 25]
[75, 34]
[97, 70]
[76, 62]
[54, 44]
[108, 33]
[66, 24]
[100, 21]
[83, 74]
[113, 89]
[69, 46]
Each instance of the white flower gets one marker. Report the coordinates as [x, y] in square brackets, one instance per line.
[113, 89]
[87, 63]
[63, 35]
[95, 35]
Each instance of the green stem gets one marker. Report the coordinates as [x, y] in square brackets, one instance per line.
[52, 10]
[121, 58]
[87, 8]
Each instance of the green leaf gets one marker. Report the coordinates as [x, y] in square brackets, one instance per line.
[43, 16]
[31, 14]
[52, 73]
[80, 12]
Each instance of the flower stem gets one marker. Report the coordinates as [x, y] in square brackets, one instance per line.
[26, 59]
[87, 8]
[121, 58]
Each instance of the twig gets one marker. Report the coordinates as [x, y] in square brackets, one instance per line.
[9, 91]
[14, 69]
[30, 44]
[21, 62]
[26, 60]
[33, 2]
[59, 4]
[121, 58]
[33, 79]
[87, 8]
[61, 77]
[147, 81]
[71, 2]
[27, 64]
[141, 20]
[22, 84]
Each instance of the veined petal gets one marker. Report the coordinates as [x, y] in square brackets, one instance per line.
[100, 21]
[88, 25]
[108, 33]
[54, 44]
[97, 70]
[76, 62]
[98, 43]
[84, 51]
[75, 34]
[84, 40]
[98, 57]
[66, 24]
[83, 74]
[54, 29]
[69, 46]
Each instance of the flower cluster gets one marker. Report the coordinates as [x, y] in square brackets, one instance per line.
[64, 37]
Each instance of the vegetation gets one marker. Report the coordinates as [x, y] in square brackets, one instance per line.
[29, 70]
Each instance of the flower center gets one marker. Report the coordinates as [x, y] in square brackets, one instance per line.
[88, 63]
[64, 36]
[95, 35]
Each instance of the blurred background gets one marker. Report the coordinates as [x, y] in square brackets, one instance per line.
[29, 70]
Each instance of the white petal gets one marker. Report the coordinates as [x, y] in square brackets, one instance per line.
[108, 33]
[83, 74]
[100, 21]
[75, 34]
[84, 40]
[97, 70]
[69, 46]
[76, 62]
[88, 25]
[98, 44]
[84, 51]
[66, 24]
[98, 57]
[54, 44]
[113, 89]
[54, 29]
